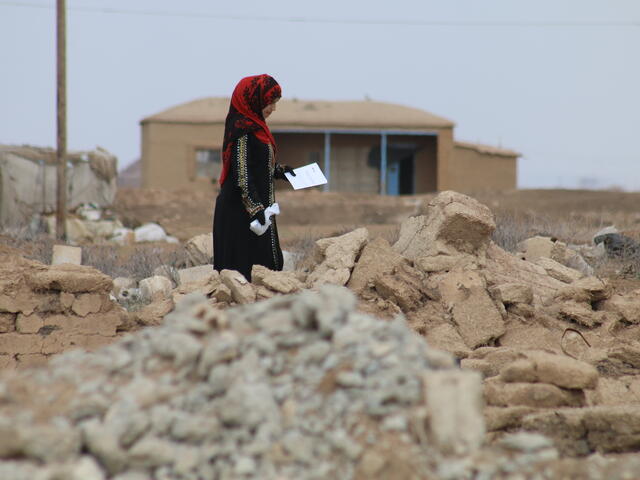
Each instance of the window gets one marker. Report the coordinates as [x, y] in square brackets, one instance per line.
[208, 163]
[314, 157]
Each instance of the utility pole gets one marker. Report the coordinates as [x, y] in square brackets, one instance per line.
[61, 155]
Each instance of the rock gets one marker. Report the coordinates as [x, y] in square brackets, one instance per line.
[564, 426]
[167, 271]
[510, 293]
[474, 313]
[66, 254]
[403, 286]
[538, 395]
[543, 367]
[441, 263]
[505, 418]
[69, 278]
[377, 259]
[542, 247]
[446, 337]
[122, 283]
[454, 400]
[559, 271]
[580, 313]
[336, 257]
[199, 250]
[453, 224]
[619, 246]
[627, 305]
[155, 288]
[289, 260]
[123, 236]
[588, 289]
[280, 282]
[150, 232]
[241, 290]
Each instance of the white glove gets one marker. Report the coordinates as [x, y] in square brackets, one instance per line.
[257, 228]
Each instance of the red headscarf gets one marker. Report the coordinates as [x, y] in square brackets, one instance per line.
[250, 97]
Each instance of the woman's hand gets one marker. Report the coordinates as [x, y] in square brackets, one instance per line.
[280, 170]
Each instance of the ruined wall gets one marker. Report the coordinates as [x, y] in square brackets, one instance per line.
[46, 310]
[473, 169]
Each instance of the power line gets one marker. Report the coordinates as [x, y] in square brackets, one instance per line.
[326, 20]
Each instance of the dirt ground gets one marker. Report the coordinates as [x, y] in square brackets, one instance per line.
[313, 214]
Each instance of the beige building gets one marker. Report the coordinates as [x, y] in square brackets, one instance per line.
[363, 146]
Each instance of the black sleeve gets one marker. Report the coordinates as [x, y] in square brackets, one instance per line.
[278, 172]
[250, 197]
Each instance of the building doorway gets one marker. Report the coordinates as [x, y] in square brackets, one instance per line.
[401, 169]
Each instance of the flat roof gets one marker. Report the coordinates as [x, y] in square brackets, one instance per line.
[487, 149]
[321, 114]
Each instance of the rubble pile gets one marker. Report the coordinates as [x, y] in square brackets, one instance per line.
[298, 387]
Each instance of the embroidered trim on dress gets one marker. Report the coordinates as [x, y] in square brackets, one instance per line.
[273, 229]
[243, 177]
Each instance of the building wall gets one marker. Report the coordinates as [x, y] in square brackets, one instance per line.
[168, 159]
[474, 171]
[169, 151]
[446, 170]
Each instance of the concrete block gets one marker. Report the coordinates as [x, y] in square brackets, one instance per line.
[66, 254]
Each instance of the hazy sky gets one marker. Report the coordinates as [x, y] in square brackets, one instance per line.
[558, 80]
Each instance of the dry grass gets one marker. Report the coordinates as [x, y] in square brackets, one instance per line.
[138, 261]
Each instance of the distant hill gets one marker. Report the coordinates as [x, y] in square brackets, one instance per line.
[131, 176]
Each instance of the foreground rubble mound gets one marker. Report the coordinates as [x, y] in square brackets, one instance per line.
[295, 387]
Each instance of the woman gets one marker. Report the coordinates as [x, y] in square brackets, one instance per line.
[246, 180]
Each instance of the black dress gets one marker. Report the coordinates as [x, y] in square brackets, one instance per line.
[247, 189]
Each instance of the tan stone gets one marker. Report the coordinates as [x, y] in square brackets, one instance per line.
[7, 322]
[439, 263]
[445, 337]
[454, 223]
[474, 313]
[66, 254]
[587, 289]
[538, 395]
[580, 313]
[336, 257]
[31, 360]
[454, 399]
[403, 286]
[70, 278]
[241, 290]
[24, 301]
[377, 259]
[564, 426]
[613, 429]
[123, 283]
[628, 306]
[199, 250]
[87, 303]
[13, 343]
[281, 282]
[95, 323]
[203, 279]
[29, 323]
[222, 293]
[505, 418]
[510, 293]
[155, 288]
[558, 271]
[154, 313]
[66, 300]
[495, 357]
[7, 362]
[543, 367]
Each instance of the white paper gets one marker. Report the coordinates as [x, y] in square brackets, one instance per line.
[307, 176]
